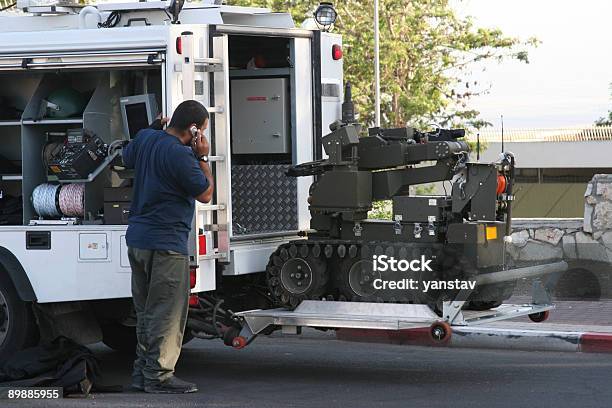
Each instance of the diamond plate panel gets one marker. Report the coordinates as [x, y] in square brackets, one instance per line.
[264, 199]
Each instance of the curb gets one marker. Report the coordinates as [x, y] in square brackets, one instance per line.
[492, 338]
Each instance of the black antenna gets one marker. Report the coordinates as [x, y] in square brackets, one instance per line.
[478, 146]
[502, 125]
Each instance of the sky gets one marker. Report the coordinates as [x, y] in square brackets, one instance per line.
[567, 82]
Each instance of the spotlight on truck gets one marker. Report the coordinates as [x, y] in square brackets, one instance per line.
[325, 15]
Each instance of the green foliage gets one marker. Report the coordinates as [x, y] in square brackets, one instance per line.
[425, 189]
[381, 210]
[605, 121]
[427, 53]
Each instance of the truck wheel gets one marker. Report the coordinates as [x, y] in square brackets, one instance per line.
[122, 338]
[18, 329]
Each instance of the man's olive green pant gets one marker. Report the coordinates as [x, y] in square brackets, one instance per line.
[160, 289]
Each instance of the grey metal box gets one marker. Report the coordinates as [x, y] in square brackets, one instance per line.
[260, 116]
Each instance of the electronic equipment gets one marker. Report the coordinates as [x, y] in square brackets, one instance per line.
[137, 112]
[78, 159]
[117, 203]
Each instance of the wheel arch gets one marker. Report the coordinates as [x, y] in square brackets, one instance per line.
[15, 271]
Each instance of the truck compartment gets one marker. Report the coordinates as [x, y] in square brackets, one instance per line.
[47, 118]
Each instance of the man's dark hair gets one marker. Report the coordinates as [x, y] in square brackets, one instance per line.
[186, 113]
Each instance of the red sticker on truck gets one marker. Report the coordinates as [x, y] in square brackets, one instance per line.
[257, 98]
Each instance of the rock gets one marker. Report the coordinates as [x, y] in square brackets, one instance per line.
[590, 249]
[520, 238]
[536, 251]
[569, 247]
[589, 189]
[549, 235]
[604, 189]
[591, 200]
[602, 216]
[606, 239]
[588, 216]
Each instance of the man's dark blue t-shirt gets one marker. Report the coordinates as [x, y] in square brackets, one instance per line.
[167, 178]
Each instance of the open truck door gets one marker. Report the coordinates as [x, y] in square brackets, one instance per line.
[215, 238]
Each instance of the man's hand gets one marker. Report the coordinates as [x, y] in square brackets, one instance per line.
[200, 145]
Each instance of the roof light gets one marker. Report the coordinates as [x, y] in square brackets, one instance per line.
[325, 15]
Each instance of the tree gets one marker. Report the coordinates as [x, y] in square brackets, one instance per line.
[427, 53]
[605, 121]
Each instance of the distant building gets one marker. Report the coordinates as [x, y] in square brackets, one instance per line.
[553, 166]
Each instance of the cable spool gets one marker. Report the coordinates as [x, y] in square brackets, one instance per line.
[45, 199]
[71, 198]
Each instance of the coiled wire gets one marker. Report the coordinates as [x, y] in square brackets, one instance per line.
[45, 199]
[71, 200]
[53, 200]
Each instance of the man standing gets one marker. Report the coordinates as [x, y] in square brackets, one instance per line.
[171, 171]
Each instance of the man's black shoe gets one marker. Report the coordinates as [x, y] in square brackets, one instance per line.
[172, 385]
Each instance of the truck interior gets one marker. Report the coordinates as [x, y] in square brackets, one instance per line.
[34, 127]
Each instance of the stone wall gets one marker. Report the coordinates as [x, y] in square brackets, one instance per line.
[588, 239]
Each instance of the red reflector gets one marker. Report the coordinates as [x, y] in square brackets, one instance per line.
[179, 45]
[502, 184]
[192, 278]
[193, 300]
[336, 52]
[202, 244]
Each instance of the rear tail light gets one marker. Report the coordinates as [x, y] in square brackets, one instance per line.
[193, 277]
[202, 244]
[179, 45]
[193, 300]
[336, 52]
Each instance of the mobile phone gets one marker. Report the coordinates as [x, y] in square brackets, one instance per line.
[194, 131]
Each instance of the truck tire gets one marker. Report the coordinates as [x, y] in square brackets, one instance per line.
[18, 328]
[122, 338]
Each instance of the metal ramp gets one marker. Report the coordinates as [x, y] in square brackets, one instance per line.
[393, 316]
[377, 316]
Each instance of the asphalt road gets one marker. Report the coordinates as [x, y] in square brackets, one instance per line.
[324, 372]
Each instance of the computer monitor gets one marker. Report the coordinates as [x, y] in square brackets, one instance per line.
[138, 112]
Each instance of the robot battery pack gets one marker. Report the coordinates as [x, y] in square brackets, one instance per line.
[78, 160]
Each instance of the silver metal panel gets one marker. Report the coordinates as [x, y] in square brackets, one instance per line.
[260, 121]
[312, 313]
[304, 129]
[264, 31]
[255, 190]
[222, 143]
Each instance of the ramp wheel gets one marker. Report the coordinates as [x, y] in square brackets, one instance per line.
[539, 317]
[440, 332]
[239, 342]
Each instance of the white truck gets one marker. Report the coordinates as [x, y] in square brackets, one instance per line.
[77, 81]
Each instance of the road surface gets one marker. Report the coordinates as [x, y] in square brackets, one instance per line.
[317, 370]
